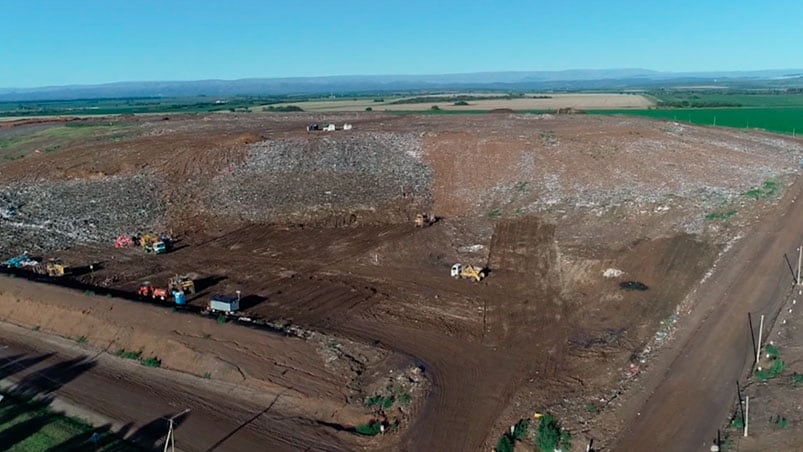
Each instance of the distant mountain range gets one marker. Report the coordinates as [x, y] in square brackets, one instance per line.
[568, 80]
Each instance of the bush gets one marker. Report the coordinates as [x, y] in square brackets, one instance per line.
[370, 429]
[778, 365]
[435, 108]
[152, 362]
[551, 436]
[81, 340]
[369, 109]
[504, 444]
[221, 319]
[461, 103]
[797, 378]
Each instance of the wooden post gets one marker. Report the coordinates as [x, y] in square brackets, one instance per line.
[746, 413]
[758, 344]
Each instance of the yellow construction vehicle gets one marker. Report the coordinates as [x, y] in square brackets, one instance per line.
[181, 283]
[421, 220]
[56, 268]
[473, 272]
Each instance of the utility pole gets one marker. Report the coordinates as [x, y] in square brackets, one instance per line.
[758, 345]
[746, 412]
[170, 440]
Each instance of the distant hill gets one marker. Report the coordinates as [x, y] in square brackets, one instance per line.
[571, 80]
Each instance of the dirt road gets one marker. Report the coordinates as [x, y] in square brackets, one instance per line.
[692, 387]
[138, 398]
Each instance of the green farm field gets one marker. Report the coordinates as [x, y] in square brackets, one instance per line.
[783, 119]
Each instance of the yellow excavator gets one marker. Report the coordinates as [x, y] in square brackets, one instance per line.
[472, 272]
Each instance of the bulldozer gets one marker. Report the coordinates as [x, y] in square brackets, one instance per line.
[422, 220]
[56, 268]
[181, 283]
[473, 272]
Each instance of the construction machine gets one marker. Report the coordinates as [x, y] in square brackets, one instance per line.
[56, 268]
[473, 272]
[153, 243]
[146, 290]
[181, 283]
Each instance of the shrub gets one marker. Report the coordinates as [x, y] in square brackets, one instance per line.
[435, 108]
[369, 109]
[89, 293]
[797, 378]
[495, 213]
[370, 429]
[81, 340]
[592, 408]
[720, 216]
[781, 422]
[405, 398]
[772, 351]
[208, 375]
[152, 362]
[221, 319]
[551, 436]
[461, 103]
[778, 365]
[504, 444]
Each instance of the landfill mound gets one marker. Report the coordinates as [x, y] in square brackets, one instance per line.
[364, 176]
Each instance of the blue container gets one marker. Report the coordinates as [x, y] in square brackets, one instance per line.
[180, 297]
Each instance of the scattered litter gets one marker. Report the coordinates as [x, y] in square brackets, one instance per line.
[612, 273]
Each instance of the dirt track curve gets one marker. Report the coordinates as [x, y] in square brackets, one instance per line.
[692, 386]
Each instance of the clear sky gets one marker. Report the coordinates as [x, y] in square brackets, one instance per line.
[58, 42]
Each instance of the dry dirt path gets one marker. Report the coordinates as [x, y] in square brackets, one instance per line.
[690, 389]
[137, 399]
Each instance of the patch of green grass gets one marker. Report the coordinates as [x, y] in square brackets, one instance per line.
[771, 351]
[720, 216]
[495, 213]
[81, 340]
[778, 365]
[592, 408]
[767, 190]
[797, 378]
[31, 426]
[370, 429]
[380, 401]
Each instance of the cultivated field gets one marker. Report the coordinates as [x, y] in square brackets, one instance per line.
[597, 232]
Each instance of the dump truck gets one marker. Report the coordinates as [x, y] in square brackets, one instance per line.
[153, 243]
[473, 272]
[183, 283]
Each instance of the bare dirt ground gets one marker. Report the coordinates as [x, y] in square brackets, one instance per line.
[540, 101]
[315, 230]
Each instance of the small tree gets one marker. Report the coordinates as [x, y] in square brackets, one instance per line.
[369, 109]
[435, 108]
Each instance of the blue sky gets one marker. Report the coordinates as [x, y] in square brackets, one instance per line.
[58, 42]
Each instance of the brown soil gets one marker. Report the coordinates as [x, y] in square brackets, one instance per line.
[548, 203]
